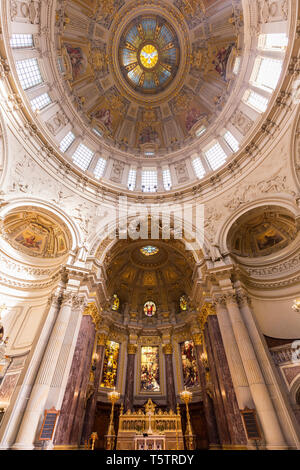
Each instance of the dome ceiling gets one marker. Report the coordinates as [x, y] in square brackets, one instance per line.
[161, 277]
[147, 77]
[261, 232]
[36, 234]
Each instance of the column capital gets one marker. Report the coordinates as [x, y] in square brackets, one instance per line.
[131, 348]
[168, 349]
[91, 309]
[198, 339]
[243, 298]
[102, 339]
[231, 297]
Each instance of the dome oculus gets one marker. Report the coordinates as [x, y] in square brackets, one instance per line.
[149, 54]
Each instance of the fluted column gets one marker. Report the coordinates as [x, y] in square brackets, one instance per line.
[238, 376]
[16, 414]
[209, 412]
[268, 368]
[36, 404]
[90, 410]
[129, 388]
[170, 383]
[263, 404]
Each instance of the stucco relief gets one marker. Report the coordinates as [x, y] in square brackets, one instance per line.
[277, 183]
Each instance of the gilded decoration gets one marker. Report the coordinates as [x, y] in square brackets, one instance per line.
[149, 54]
[36, 234]
[262, 231]
[147, 94]
[92, 310]
[110, 365]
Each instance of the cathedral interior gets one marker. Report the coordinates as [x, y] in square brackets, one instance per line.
[149, 225]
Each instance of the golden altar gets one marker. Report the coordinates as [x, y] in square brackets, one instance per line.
[160, 428]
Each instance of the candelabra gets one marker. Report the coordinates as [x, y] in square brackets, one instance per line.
[186, 397]
[296, 305]
[113, 398]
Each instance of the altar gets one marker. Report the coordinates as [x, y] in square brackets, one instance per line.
[153, 429]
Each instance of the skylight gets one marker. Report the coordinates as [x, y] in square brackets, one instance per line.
[100, 167]
[231, 141]
[83, 156]
[67, 142]
[21, 41]
[198, 168]
[256, 101]
[267, 73]
[29, 73]
[149, 181]
[40, 102]
[275, 42]
[131, 182]
[216, 156]
[167, 180]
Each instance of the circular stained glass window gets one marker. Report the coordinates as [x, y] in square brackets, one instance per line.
[149, 250]
[149, 308]
[149, 54]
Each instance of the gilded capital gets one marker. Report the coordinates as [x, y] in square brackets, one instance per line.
[102, 338]
[131, 348]
[168, 349]
[197, 338]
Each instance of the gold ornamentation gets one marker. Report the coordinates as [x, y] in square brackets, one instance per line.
[92, 310]
[168, 349]
[131, 348]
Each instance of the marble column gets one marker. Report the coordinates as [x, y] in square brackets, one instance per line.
[236, 367]
[226, 389]
[129, 388]
[90, 409]
[69, 423]
[209, 412]
[263, 403]
[36, 403]
[170, 382]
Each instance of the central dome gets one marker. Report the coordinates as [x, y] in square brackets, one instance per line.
[149, 54]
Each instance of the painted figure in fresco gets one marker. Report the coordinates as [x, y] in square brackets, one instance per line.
[269, 239]
[221, 60]
[148, 135]
[193, 115]
[104, 116]
[29, 241]
[77, 60]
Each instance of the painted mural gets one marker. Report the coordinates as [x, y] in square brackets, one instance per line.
[150, 374]
[110, 365]
[189, 364]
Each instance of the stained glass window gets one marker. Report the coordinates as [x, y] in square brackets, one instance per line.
[110, 365]
[189, 364]
[183, 302]
[116, 303]
[149, 250]
[150, 376]
[149, 308]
